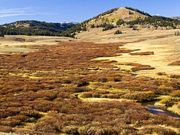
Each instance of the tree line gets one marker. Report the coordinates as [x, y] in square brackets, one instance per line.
[67, 32]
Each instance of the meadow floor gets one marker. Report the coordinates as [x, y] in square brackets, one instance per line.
[64, 86]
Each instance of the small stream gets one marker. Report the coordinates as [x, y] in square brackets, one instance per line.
[159, 111]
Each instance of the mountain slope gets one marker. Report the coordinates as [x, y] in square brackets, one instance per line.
[131, 18]
[114, 18]
[32, 27]
[115, 15]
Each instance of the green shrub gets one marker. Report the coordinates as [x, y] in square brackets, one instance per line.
[92, 26]
[1, 31]
[118, 32]
[82, 83]
[107, 27]
[120, 22]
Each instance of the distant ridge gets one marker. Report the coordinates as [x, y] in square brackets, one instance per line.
[118, 17]
[33, 27]
[137, 10]
[177, 17]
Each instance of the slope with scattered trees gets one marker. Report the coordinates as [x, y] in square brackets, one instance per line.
[33, 27]
[156, 21]
[130, 16]
[1, 32]
[108, 20]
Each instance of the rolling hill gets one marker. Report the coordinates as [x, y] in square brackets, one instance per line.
[117, 17]
[32, 27]
[130, 17]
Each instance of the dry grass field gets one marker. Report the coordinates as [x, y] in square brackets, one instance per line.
[157, 48]
[51, 85]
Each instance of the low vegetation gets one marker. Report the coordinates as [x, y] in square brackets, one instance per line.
[62, 89]
[118, 32]
[1, 32]
[142, 53]
[139, 67]
[57, 93]
[107, 27]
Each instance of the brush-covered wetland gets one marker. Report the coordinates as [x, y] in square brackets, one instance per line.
[52, 85]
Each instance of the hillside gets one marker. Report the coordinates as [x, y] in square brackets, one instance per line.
[132, 18]
[32, 27]
[116, 16]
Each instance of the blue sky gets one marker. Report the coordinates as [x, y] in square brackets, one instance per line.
[78, 10]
